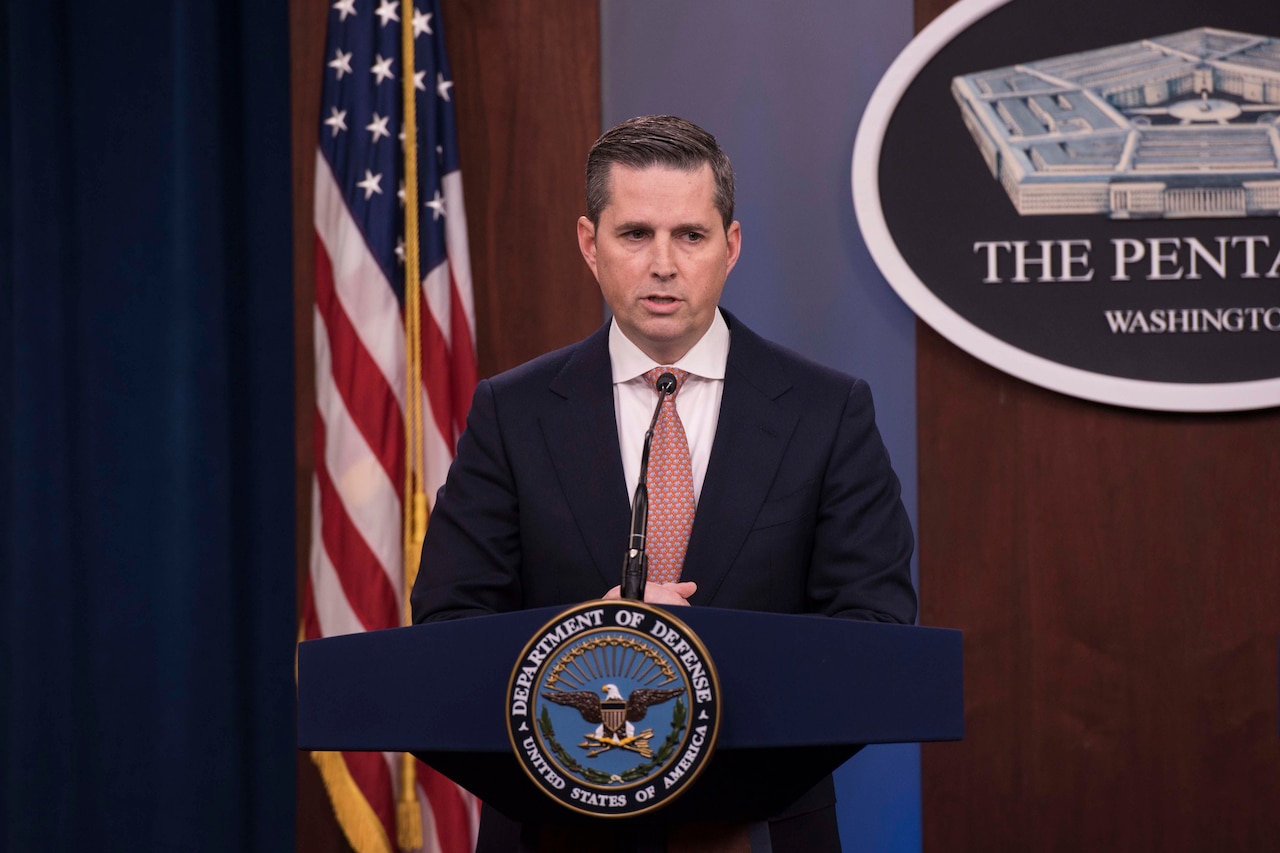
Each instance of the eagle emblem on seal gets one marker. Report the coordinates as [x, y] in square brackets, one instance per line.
[615, 714]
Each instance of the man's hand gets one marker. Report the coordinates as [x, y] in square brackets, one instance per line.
[662, 593]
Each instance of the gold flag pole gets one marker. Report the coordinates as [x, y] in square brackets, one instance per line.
[408, 813]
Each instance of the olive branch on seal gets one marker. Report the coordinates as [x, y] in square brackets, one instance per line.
[678, 721]
[596, 777]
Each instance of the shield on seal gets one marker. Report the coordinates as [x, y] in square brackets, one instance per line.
[613, 714]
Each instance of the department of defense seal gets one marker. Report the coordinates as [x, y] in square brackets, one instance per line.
[613, 708]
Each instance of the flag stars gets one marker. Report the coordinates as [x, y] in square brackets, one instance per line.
[341, 63]
[346, 7]
[400, 250]
[337, 120]
[421, 23]
[387, 12]
[437, 206]
[382, 69]
[400, 194]
[371, 184]
[378, 127]
[420, 81]
[443, 86]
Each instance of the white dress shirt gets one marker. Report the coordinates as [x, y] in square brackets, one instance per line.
[697, 401]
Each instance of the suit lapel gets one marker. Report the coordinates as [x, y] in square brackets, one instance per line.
[755, 425]
[581, 432]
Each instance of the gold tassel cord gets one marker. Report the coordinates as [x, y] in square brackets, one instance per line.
[360, 824]
[408, 813]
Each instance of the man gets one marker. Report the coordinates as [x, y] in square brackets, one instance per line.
[797, 507]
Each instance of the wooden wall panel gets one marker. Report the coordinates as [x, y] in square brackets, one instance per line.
[1117, 577]
[1115, 574]
[316, 827]
[527, 84]
[527, 116]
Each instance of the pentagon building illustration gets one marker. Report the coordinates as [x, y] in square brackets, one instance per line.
[1181, 125]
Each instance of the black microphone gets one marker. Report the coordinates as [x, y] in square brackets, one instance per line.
[635, 565]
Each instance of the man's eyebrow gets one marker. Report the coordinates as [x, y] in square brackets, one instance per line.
[623, 227]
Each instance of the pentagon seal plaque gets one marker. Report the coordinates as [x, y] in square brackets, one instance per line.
[613, 708]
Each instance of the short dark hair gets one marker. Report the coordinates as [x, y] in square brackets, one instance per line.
[645, 141]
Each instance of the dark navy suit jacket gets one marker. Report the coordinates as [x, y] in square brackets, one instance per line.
[799, 512]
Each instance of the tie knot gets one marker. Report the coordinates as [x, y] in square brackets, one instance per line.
[652, 377]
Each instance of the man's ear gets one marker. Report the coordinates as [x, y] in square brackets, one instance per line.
[587, 243]
[734, 237]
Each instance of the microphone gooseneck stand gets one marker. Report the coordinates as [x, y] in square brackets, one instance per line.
[635, 565]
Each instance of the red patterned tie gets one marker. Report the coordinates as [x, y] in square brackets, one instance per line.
[670, 483]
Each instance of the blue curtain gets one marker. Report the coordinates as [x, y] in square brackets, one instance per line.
[147, 526]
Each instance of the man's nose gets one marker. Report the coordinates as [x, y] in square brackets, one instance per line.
[663, 262]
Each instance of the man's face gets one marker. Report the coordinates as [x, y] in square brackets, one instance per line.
[661, 254]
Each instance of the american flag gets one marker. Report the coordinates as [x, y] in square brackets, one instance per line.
[356, 580]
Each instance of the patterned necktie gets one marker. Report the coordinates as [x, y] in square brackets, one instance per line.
[670, 483]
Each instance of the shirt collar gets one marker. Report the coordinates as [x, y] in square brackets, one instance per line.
[706, 359]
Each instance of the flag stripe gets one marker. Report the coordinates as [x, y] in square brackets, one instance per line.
[437, 374]
[369, 497]
[448, 363]
[359, 283]
[375, 410]
[455, 234]
[462, 357]
[370, 773]
[437, 292]
[449, 810]
[437, 453]
[328, 607]
[310, 616]
[362, 577]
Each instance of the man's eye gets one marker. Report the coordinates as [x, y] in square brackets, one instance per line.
[635, 235]
[693, 237]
